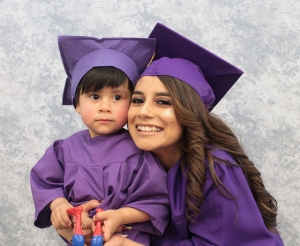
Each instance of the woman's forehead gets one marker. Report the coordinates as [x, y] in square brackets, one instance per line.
[150, 83]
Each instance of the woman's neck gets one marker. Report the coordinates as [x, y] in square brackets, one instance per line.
[166, 158]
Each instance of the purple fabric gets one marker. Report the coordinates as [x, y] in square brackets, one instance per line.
[103, 58]
[109, 168]
[137, 236]
[169, 66]
[80, 54]
[219, 74]
[222, 221]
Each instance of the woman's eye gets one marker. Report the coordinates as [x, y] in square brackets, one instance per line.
[137, 100]
[117, 97]
[163, 102]
[94, 97]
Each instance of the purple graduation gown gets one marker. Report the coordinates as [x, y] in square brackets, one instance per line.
[222, 221]
[109, 168]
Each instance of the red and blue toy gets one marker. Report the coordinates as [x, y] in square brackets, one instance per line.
[78, 238]
[97, 239]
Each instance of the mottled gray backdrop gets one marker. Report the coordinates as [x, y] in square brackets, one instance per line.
[260, 37]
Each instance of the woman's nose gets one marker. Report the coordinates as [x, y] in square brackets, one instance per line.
[146, 111]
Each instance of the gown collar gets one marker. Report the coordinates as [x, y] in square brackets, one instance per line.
[177, 193]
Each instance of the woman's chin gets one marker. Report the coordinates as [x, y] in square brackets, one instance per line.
[144, 145]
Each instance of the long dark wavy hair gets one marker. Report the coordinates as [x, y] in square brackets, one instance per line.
[202, 128]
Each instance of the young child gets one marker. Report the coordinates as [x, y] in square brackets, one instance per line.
[102, 162]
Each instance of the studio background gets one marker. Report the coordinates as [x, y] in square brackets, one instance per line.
[260, 37]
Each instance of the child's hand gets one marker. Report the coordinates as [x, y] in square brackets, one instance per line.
[112, 220]
[59, 216]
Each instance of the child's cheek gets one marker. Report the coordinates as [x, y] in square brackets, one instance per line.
[88, 114]
[122, 113]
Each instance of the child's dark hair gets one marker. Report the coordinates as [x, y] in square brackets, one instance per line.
[99, 77]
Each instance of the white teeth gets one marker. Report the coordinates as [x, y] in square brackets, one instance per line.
[149, 129]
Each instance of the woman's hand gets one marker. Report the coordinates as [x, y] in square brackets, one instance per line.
[119, 240]
[66, 234]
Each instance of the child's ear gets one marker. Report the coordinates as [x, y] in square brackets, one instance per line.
[78, 109]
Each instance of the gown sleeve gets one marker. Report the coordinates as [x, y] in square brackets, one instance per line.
[46, 181]
[148, 193]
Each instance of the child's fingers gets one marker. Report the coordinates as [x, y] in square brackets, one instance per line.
[92, 204]
[86, 221]
[106, 233]
[66, 220]
[55, 221]
[87, 233]
[93, 227]
[61, 222]
[101, 216]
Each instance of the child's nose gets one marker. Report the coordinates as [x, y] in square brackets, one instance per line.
[104, 106]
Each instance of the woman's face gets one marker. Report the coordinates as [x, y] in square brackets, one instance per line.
[152, 122]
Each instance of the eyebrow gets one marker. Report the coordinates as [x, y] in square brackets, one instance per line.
[119, 91]
[122, 91]
[157, 94]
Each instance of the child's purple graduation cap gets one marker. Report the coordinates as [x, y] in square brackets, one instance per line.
[80, 54]
[179, 57]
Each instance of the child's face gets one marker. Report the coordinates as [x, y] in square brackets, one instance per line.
[104, 111]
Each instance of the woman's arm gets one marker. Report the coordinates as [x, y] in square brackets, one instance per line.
[67, 234]
[119, 240]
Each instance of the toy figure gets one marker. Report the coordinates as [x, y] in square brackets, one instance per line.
[97, 239]
[78, 238]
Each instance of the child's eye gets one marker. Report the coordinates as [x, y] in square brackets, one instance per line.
[117, 97]
[137, 100]
[94, 97]
[163, 102]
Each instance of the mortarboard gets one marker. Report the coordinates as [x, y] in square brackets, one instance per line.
[80, 54]
[181, 58]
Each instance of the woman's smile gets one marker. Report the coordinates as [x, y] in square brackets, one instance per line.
[142, 128]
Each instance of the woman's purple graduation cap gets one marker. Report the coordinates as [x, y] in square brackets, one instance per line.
[179, 57]
[80, 54]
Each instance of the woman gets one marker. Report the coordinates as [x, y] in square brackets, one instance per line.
[217, 196]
